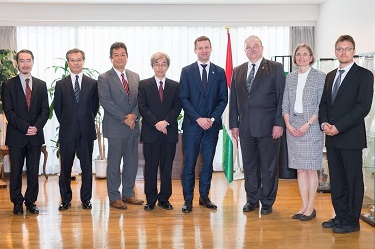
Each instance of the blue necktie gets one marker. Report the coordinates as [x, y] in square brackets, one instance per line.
[204, 78]
[336, 86]
[250, 79]
[77, 90]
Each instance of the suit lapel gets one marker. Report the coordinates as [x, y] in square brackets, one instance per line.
[67, 83]
[197, 76]
[117, 80]
[20, 90]
[211, 77]
[262, 68]
[154, 89]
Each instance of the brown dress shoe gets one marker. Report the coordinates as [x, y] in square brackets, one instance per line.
[133, 200]
[119, 204]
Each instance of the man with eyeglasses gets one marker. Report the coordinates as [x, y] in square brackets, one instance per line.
[25, 101]
[159, 106]
[255, 116]
[204, 96]
[76, 104]
[346, 101]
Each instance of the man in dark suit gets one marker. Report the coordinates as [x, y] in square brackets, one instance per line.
[118, 90]
[204, 96]
[76, 104]
[25, 102]
[159, 105]
[346, 101]
[255, 116]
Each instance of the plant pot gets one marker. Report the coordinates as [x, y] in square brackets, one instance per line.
[101, 169]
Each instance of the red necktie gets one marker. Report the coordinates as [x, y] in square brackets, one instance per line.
[161, 91]
[28, 94]
[125, 84]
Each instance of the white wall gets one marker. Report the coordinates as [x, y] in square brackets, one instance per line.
[338, 17]
[210, 15]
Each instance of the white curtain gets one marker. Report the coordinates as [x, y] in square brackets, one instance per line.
[51, 42]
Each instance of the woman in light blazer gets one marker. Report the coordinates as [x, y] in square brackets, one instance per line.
[302, 94]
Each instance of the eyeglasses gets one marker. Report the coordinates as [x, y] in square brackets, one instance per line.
[74, 61]
[160, 65]
[255, 47]
[302, 55]
[344, 49]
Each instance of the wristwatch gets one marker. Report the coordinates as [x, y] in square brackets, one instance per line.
[213, 120]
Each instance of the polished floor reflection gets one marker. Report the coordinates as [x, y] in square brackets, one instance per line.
[228, 227]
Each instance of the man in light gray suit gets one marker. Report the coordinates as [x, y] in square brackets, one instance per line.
[118, 90]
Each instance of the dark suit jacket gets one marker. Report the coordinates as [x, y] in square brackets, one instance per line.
[73, 116]
[153, 110]
[19, 117]
[255, 115]
[195, 103]
[351, 106]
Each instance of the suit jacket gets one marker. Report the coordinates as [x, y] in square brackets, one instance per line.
[153, 110]
[256, 113]
[351, 106]
[73, 115]
[195, 103]
[311, 96]
[19, 117]
[117, 104]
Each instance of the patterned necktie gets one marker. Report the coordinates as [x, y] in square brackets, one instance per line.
[336, 86]
[28, 93]
[77, 90]
[125, 84]
[161, 91]
[204, 78]
[250, 79]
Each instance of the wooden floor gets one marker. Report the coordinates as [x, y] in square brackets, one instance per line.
[228, 227]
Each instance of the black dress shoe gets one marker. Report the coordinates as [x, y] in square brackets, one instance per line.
[331, 223]
[86, 205]
[18, 209]
[32, 208]
[65, 206]
[205, 201]
[248, 207]
[296, 216]
[308, 217]
[346, 228]
[187, 207]
[165, 205]
[266, 209]
[149, 206]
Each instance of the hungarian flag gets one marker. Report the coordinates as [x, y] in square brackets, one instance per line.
[228, 141]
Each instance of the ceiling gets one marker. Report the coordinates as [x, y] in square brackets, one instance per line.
[169, 1]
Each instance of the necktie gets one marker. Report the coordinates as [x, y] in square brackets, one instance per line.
[161, 91]
[77, 90]
[28, 93]
[336, 86]
[125, 84]
[204, 78]
[250, 79]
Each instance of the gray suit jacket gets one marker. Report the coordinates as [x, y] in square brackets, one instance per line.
[117, 104]
[311, 96]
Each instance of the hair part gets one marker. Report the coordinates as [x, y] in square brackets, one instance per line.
[253, 37]
[24, 51]
[118, 45]
[75, 51]
[343, 38]
[158, 56]
[304, 45]
[201, 38]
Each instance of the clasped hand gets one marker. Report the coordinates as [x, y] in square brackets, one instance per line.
[330, 130]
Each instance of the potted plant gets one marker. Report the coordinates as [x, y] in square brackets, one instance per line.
[7, 68]
[100, 160]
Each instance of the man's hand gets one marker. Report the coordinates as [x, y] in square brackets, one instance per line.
[330, 130]
[205, 123]
[32, 131]
[162, 126]
[277, 132]
[130, 120]
[235, 133]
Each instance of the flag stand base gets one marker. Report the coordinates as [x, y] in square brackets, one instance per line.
[238, 175]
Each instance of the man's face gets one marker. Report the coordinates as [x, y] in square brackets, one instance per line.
[253, 49]
[119, 59]
[160, 67]
[25, 63]
[345, 52]
[75, 63]
[203, 50]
